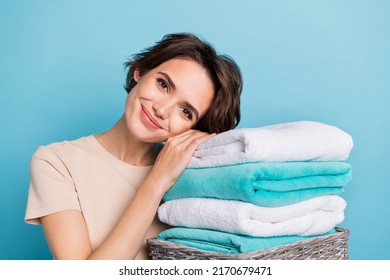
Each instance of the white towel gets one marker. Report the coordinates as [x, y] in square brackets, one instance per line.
[294, 141]
[310, 217]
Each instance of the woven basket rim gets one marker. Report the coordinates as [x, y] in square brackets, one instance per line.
[341, 233]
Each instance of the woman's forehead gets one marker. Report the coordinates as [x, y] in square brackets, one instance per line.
[181, 63]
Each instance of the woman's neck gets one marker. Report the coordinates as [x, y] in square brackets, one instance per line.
[120, 143]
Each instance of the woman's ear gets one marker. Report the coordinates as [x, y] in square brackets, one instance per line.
[137, 75]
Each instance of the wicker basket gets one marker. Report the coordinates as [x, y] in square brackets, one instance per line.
[329, 247]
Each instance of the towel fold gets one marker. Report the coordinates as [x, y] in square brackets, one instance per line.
[293, 141]
[226, 242]
[263, 184]
[310, 217]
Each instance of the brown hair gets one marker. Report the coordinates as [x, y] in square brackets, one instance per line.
[224, 112]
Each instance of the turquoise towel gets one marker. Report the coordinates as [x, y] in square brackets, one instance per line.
[263, 184]
[226, 242]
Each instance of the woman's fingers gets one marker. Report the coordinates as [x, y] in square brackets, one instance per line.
[183, 140]
[183, 136]
[197, 140]
[176, 154]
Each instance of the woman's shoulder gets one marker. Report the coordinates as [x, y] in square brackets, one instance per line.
[65, 147]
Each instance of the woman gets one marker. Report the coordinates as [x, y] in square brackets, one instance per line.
[96, 197]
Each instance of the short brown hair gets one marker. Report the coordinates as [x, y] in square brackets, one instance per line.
[224, 112]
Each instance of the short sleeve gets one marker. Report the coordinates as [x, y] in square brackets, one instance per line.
[51, 186]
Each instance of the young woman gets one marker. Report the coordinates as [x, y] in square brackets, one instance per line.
[96, 197]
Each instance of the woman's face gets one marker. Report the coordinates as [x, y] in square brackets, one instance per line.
[168, 100]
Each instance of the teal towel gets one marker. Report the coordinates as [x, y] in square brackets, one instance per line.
[226, 242]
[263, 184]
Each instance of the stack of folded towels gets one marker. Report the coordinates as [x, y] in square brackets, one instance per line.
[255, 188]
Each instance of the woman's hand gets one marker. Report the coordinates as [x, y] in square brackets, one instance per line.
[175, 156]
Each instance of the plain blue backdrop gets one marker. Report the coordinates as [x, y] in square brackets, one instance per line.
[62, 76]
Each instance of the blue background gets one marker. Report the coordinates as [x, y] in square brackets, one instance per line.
[62, 76]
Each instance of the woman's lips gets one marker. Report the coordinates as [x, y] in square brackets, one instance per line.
[148, 120]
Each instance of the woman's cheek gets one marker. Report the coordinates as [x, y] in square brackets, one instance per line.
[179, 126]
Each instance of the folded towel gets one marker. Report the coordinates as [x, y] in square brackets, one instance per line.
[294, 141]
[226, 242]
[310, 217]
[263, 184]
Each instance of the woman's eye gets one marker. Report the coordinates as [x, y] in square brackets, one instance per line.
[163, 85]
[187, 113]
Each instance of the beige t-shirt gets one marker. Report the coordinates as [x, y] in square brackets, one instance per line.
[82, 175]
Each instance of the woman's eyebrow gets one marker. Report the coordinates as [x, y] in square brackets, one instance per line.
[166, 76]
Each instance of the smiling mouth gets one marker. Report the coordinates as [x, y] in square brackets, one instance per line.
[148, 120]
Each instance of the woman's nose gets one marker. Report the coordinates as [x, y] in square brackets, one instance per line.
[162, 108]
